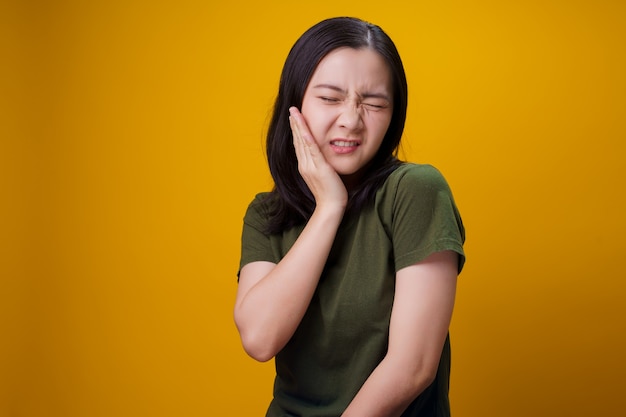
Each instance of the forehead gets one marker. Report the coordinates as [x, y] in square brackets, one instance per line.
[353, 69]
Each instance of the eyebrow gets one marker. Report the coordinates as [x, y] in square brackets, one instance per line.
[342, 91]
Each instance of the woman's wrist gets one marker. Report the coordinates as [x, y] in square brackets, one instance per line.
[330, 210]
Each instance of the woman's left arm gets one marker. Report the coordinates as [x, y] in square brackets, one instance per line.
[420, 318]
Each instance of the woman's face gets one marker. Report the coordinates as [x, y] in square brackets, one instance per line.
[348, 106]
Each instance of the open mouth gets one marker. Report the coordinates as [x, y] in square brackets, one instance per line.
[345, 143]
[342, 146]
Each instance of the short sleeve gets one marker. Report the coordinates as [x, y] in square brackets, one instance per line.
[255, 243]
[425, 217]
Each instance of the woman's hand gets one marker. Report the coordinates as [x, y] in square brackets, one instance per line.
[321, 178]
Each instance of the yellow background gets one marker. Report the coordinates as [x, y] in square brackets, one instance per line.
[132, 141]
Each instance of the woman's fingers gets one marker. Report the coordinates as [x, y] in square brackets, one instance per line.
[297, 143]
[306, 148]
[299, 128]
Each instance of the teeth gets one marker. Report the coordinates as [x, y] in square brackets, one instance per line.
[344, 143]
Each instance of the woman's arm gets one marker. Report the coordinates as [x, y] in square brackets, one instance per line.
[420, 317]
[272, 298]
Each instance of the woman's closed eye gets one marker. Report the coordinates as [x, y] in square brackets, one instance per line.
[374, 106]
[328, 99]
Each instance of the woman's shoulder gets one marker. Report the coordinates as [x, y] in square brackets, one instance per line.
[261, 199]
[412, 175]
[259, 210]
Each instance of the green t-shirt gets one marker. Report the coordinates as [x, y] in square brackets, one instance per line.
[344, 333]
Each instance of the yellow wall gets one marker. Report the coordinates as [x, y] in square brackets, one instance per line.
[131, 144]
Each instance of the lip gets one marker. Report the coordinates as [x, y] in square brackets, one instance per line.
[344, 146]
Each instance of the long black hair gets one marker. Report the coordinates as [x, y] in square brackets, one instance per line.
[291, 200]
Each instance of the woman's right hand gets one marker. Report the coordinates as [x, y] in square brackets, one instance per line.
[321, 178]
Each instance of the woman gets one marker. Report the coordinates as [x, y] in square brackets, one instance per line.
[349, 266]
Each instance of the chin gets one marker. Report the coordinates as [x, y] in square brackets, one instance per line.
[350, 177]
[346, 172]
[349, 169]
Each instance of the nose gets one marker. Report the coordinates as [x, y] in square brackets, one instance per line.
[351, 117]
